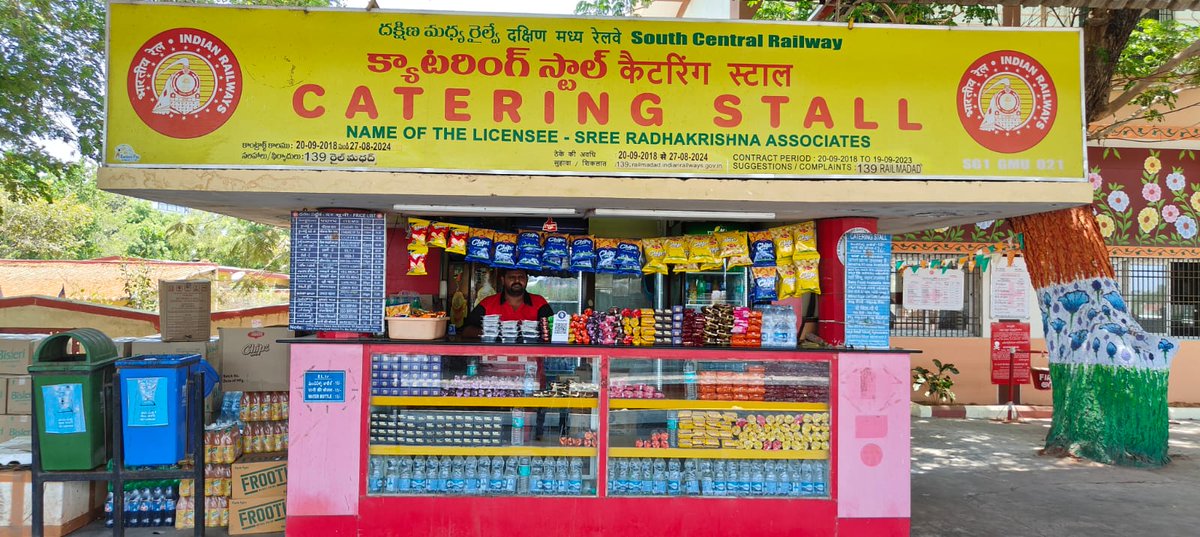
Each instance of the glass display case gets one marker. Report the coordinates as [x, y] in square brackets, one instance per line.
[472, 425]
[728, 286]
[719, 428]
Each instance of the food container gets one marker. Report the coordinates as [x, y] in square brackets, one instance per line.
[416, 328]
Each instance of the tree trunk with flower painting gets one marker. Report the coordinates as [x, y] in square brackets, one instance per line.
[1109, 375]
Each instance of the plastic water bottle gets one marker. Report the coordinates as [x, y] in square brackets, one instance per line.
[108, 510]
[819, 487]
[614, 476]
[691, 478]
[484, 471]
[646, 467]
[674, 478]
[758, 479]
[785, 481]
[420, 481]
[444, 468]
[434, 483]
[374, 477]
[720, 480]
[562, 476]
[771, 480]
[673, 428]
[808, 487]
[496, 479]
[660, 477]
[457, 481]
[575, 478]
[523, 479]
[535, 476]
[531, 383]
[391, 475]
[169, 509]
[404, 483]
[549, 478]
[743, 478]
[156, 507]
[510, 477]
[793, 336]
[518, 427]
[706, 478]
[689, 381]
[144, 509]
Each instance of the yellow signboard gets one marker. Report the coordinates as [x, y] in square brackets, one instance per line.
[338, 89]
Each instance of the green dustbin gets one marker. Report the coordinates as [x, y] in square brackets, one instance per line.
[68, 399]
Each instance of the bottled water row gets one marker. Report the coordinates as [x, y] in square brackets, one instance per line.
[478, 476]
[778, 327]
[144, 508]
[717, 478]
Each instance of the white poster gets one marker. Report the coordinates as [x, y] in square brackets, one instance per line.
[933, 289]
[1010, 289]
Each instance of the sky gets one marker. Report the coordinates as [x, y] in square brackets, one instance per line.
[497, 6]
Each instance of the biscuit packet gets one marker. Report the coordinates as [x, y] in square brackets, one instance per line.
[479, 245]
[456, 238]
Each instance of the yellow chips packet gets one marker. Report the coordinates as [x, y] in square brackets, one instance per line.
[787, 280]
[456, 238]
[701, 249]
[654, 252]
[418, 229]
[784, 245]
[808, 277]
[677, 250]
[804, 237]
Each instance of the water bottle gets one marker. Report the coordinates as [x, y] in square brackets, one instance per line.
[758, 479]
[444, 468]
[518, 427]
[674, 478]
[169, 509]
[744, 475]
[456, 482]
[391, 475]
[531, 382]
[575, 478]
[719, 480]
[496, 481]
[771, 478]
[689, 381]
[647, 472]
[484, 471]
[673, 428]
[108, 510]
[474, 487]
[706, 478]
[535, 476]
[806, 479]
[156, 507]
[523, 479]
[375, 477]
[792, 336]
[785, 480]
[143, 511]
[420, 481]
[614, 476]
[691, 478]
[549, 476]
[660, 477]
[819, 474]
[404, 483]
[562, 476]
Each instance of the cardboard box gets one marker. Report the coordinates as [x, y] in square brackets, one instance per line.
[4, 393]
[14, 426]
[66, 508]
[185, 310]
[259, 515]
[260, 475]
[252, 360]
[16, 352]
[19, 395]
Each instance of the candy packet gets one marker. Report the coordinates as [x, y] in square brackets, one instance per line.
[784, 246]
[479, 245]
[765, 289]
[655, 253]
[762, 249]
[456, 238]
[583, 253]
[700, 249]
[629, 256]
[606, 256]
[437, 234]
[416, 260]
[804, 237]
[504, 250]
[808, 277]
[787, 280]
[418, 229]
[677, 252]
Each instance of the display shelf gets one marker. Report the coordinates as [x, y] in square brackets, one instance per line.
[687, 404]
[510, 451]
[501, 402]
[677, 453]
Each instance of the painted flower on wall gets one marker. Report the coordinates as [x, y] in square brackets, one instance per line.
[1153, 165]
[1119, 200]
[1176, 181]
[1186, 227]
[1096, 180]
[1106, 225]
[1195, 201]
[1147, 219]
[1152, 192]
[1170, 213]
[985, 224]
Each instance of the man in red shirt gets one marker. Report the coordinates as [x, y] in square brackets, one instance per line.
[513, 303]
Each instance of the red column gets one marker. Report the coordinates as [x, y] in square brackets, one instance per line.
[832, 307]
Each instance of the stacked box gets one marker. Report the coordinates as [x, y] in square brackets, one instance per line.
[16, 396]
[406, 375]
[258, 504]
[437, 428]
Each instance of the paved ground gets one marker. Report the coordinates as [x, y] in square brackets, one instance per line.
[979, 478]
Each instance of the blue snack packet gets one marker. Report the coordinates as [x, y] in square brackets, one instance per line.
[762, 249]
[529, 241]
[555, 250]
[504, 251]
[479, 246]
[530, 260]
[606, 256]
[629, 257]
[765, 288]
[583, 253]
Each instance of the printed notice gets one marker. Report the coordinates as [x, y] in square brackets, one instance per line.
[868, 290]
[324, 386]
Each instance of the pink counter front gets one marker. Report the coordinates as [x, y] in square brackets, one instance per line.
[842, 418]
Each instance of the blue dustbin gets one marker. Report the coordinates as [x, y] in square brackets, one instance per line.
[154, 407]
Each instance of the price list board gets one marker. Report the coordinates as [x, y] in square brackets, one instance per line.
[337, 265]
[868, 290]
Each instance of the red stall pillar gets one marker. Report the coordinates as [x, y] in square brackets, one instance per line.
[831, 307]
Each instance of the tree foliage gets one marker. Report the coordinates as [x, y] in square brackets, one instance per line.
[609, 8]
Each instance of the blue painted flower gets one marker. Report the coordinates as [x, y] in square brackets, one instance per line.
[1118, 200]
[1046, 299]
[1126, 356]
[1185, 226]
[1091, 315]
[1115, 299]
[1165, 345]
[1114, 329]
[1045, 323]
[1078, 339]
[1106, 311]
[1095, 345]
[1176, 181]
[1073, 301]
[1111, 349]
[1096, 285]
[1056, 308]
[1057, 325]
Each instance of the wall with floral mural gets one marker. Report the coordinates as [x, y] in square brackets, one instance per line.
[1141, 197]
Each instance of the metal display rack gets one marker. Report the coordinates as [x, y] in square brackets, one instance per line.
[119, 475]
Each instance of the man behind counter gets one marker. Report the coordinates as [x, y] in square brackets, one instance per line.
[514, 303]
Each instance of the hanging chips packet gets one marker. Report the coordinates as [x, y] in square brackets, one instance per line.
[765, 289]
[655, 253]
[787, 280]
[437, 234]
[732, 244]
[701, 248]
[479, 245]
[583, 253]
[706, 267]
[529, 241]
[418, 229]
[808, 276]
[530, 260]
[677, 252]
[804, 237]
[504, 250]
[606, 256]
[685, 268]
[629, 257]
[555, 249]
[456, 238]
[784, 247]
[416, 260]
[762, 249]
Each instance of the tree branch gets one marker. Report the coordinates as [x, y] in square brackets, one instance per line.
[1138, 87]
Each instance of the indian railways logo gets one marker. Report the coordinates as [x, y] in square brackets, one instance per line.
[184, 83]
[1007, 101]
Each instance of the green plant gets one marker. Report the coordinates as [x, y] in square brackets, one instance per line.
[937, 384]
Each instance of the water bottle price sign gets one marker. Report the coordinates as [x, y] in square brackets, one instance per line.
[324, 386]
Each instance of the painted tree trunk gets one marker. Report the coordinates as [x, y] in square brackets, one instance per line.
[1109, 375]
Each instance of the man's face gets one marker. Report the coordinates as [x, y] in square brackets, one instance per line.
[514, 282]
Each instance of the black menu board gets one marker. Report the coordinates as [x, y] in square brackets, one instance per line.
[337, 271]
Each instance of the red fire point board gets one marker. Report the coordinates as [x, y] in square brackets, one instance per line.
[1005, 337]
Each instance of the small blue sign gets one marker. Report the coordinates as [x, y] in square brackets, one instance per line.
[324, 386]
[868, 290]
[62, 408]
[146, 399]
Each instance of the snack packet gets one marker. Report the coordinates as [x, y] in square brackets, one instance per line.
[706, 267]
[437, 234]
[583, 253]
[529, 259]
[787, 280]
[765, 289]
[784, 246]
[606, 256]
[676, 248]
[504, 250]
[804, 237]
[554, 250]
[416, 260]
[684, 268]
[732, 244]
[655, 253]
[456, 238]
[700, 249]
[529, 240]
[808, 277]
[479, 245]
[629, 256]
[762, 249]
[418, 229]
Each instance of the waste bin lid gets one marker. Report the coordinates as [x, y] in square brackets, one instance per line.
[158, 360]
[52, 353]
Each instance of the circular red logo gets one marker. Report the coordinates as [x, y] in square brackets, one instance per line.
[1007, 101]
[185, 83]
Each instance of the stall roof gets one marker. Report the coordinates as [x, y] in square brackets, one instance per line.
[900, 205]
[1174, 5]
